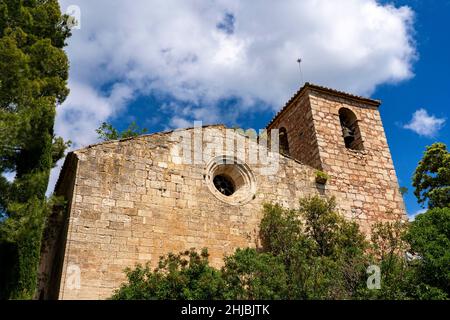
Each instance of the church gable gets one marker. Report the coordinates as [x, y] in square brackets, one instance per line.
[133, 200]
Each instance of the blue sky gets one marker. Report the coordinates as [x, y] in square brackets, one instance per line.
[165, 65]
[428, 89]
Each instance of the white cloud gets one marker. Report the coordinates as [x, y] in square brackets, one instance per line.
[175, 47]
[83, 112]
[177, 122]
[86, 108]
[424, 124]
[413, 216]
[199, 52]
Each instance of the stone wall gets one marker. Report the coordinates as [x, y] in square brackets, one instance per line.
[134, 201]
[55, 234]
[298, 121]
[363, 181]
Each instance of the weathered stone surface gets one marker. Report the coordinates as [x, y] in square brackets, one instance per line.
[363, 181]
[132, 201]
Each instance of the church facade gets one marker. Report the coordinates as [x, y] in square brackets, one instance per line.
[133, 200]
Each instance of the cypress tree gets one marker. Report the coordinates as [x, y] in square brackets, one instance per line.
[33, 81]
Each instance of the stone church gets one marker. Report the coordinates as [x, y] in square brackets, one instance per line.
[133, 200]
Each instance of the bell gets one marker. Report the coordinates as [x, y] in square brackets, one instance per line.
[348, 134]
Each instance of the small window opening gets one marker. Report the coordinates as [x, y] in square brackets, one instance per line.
[350, 129]
[224, 184]
[284, 142]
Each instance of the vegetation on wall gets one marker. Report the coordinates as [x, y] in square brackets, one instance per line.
[107, 132]
[322, 177]
[33, 81]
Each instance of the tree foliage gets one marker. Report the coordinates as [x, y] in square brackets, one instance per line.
[185, 276]
[308, 253]
[252, 275]
[324, 255]
[107, 132]
[429, 238]
[429, 233]
[399, 275]
[432, 177]
[33, 80]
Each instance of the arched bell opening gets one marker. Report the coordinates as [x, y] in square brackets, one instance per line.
[350, 129]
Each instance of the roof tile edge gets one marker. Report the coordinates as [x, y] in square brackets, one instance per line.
[323, 89]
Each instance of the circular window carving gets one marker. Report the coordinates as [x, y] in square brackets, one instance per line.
[224, 184]
[230, 180]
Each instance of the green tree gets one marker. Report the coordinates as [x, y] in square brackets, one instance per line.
[388, 248]
[429, 234]
[431, 179]
[429, 238]
[33, 81]
[401, 278]
[308, 253]
[185, 276]
[107, 132]
[324, 254]
[332, 234]
[319, 258]
[251, 275]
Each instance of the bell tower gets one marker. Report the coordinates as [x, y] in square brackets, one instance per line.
[343, 135]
